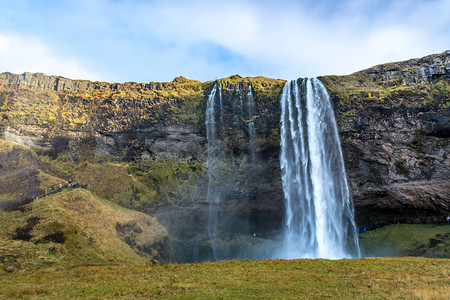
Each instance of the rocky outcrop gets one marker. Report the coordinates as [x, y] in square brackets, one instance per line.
[415, 71]
[394, 128]
[42, 82]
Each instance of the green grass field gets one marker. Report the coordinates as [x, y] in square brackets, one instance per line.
[369, 278]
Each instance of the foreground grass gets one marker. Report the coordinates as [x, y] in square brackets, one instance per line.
[397, 278]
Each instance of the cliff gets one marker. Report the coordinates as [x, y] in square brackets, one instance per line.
[143, 146]
[394, 128]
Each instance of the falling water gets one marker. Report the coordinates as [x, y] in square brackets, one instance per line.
[213, 194]
[221, 107]
[319, 211]
[238, 109]
[210, 118]
[251, 123]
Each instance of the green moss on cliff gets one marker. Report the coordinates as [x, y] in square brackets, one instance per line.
[113, 182]
[137, 185]
[105, 109]
[128, 106]
[173, 181]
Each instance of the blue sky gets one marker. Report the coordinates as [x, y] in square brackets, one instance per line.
[142, 41]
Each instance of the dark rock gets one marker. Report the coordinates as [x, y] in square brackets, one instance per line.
[55, 237]
[24, 232]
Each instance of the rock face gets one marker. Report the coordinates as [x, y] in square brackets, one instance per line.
[43, 82]
[396, 167]
[394, 127]
[393, 121]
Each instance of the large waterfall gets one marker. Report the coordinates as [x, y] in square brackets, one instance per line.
[319, 212]
[319, 219]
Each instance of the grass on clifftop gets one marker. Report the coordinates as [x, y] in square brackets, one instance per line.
[358, 90]
[125, 107]
[373, 278]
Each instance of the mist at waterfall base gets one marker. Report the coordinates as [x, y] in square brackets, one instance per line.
[230, 234]
[234, 217]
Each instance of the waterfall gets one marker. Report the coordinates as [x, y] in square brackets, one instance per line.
[210, 118]
[238, 109]
[221, 108]
[319, 213]
[251, 123]
[212, 163]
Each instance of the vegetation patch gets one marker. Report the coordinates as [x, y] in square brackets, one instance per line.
[115, 108]
[426, 240]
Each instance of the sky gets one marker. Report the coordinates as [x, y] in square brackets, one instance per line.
[143, 41]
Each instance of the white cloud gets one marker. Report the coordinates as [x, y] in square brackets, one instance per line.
[291, 39]
[29, 54]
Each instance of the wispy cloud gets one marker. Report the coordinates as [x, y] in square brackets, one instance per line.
[28, 54]
[157, 40]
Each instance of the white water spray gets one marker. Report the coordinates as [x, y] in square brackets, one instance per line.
[213, 195]
[238, 109]
[319, 211]
[221, 107]
[251, 123]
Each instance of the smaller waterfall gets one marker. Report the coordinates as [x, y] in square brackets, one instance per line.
[241, 103]
[319, 211]
[221, 124]
[213, 194]
[251, 123]
[210, 118]
[238, 109]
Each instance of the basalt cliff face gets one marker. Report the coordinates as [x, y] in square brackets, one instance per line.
[394, 128]
[144, 146]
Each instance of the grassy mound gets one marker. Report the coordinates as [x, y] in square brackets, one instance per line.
[407, 240]
[373, 278]
[76, 227]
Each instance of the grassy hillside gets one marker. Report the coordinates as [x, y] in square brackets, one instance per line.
[77, 228]
[373, 278]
